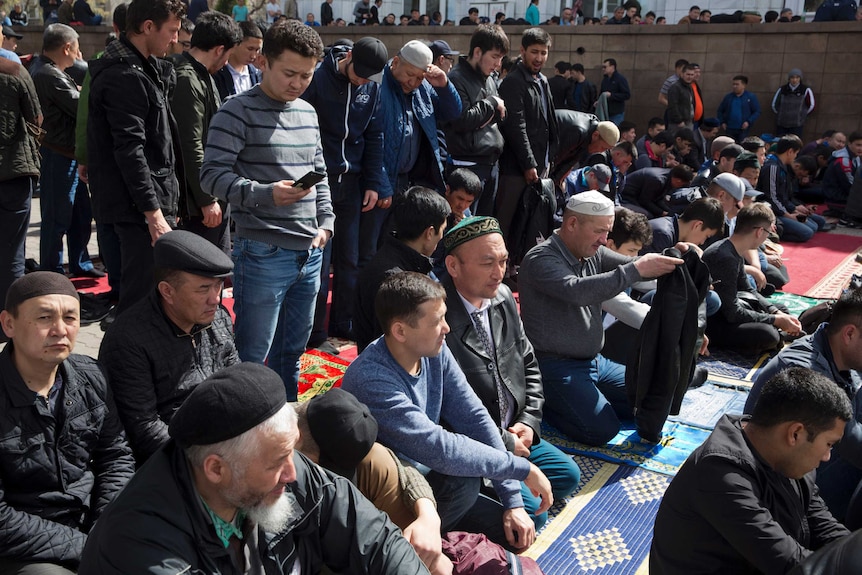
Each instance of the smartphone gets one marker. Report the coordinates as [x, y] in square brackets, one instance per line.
[309, 179]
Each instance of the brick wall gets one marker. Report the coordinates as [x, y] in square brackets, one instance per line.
[645, 55]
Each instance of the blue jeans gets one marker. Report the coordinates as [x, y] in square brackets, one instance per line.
[617, 118]
[585, 399]
[796, 231]
[274, 291]
[560, 469]
[14, 219]
[66, 211]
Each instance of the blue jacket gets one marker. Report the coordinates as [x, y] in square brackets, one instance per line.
[430, 105]
[750, 109]
[350, 126]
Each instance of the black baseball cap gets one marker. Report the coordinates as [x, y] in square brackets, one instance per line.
[369, 57]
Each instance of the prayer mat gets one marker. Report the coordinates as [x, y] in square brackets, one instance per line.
[795, 304]
[683, 433]
[822, 266]
[727, 363]
[678, 441]
[319, 372]
[606, 527]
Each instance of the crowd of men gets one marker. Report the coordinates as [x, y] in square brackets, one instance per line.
[420, 189]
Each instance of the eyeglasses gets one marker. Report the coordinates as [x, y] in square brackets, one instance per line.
[450, 58]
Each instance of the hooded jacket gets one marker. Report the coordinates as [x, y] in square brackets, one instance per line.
[134, 164]
[840, 174]
[350, 124]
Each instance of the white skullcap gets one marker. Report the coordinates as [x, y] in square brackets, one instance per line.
[591, 203]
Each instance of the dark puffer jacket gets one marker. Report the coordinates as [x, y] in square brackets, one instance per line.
[19, 105]
[159, 527]
[57, 475]
[133, 165]
[152, 366]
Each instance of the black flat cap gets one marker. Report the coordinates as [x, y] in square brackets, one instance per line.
[188, 252]
[227, 404]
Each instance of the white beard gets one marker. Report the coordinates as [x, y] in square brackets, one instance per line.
[276, 517]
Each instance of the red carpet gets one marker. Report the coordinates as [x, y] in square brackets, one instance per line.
[819, 266]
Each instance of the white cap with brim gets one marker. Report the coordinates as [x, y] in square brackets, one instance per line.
[590, 203]
[731, 184]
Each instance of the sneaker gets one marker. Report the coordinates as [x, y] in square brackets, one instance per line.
[327, 347]
[849, 223]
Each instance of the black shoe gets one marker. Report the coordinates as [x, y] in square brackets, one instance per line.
[848, 223]
[109, 319]
[698, 378]
[767, 290]
[90, 273]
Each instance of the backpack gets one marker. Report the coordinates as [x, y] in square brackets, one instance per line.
[822, 312]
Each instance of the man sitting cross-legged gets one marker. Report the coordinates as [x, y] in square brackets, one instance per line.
[745, 500]
[488, 341]
[411, 383]
[746, 321]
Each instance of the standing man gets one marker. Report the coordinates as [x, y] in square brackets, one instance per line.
[197, 98]
[680, 100]
[63, 456]
[616, 88]
[792, 103]
[474, 140]
[488, 341]
[65, 202]
[345, 92]
[415, 96]
[19, 168]
[563, 282]
[583, 95]
[240, 73]
[738, 109]
[131, 137]
[281, 229]
[326, 16]
[530, 128]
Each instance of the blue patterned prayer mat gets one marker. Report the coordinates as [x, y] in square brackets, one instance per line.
[678, 441]
[681, 434]
[606, 528]
[731, 364]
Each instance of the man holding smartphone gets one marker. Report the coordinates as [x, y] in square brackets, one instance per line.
[260, 143]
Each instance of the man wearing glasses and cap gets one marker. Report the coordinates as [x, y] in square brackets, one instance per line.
[444, 55]
[345, 92]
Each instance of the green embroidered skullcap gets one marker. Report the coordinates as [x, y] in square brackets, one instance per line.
[470, 229]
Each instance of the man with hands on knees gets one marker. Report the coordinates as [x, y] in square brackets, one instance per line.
[411, 383]
[563, 282]
[488, 341]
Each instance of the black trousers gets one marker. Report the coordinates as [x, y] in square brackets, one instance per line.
[15, 195]
[746, 338]
[136, 254]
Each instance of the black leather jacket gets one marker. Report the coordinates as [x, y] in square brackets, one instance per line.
[475, 135]
[57, 474]
[515, 362]
[59, 98]
[159, 526]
